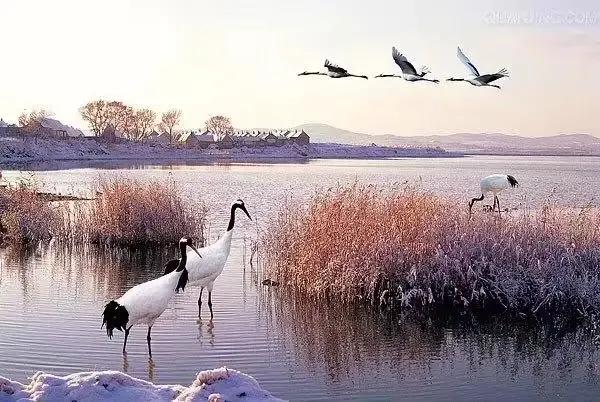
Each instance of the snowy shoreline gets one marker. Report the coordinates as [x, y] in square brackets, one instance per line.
[14, 151]
[216, 385]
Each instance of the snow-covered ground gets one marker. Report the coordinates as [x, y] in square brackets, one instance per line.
[217, 385]
[19, 150]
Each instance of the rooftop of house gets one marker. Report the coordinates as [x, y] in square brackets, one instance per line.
[56, 125]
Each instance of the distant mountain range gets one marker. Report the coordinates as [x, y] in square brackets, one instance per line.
[470, 143]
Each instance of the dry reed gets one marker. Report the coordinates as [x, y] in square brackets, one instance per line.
[418, 252]
[124, 213]
[25, 217]
[130, 213]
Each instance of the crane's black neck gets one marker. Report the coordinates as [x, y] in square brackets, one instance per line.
[183, 259]
[232, 217]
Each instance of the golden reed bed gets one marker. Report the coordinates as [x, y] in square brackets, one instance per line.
[409, 249]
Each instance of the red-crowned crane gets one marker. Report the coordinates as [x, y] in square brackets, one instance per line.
[203, 271]
[144, 303]
[334, 71]
[494, 184]
[478, 80]
[409, 72]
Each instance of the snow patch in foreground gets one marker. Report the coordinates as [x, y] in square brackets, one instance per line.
[217, 385]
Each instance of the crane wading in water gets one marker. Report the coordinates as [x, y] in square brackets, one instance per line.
[203, 271]
[494, 184]
[144, 303]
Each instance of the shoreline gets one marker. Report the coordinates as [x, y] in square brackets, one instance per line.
[15, 152]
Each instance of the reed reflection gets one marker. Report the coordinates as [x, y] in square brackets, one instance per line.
[345, 341]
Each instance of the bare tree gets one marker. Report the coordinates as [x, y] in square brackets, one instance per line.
[129, 123]
[123, 118]
[96, 114]
[25, 120]
[145, 121]
[169, 121]
[220, 126]
[116, 112]
[35, 115]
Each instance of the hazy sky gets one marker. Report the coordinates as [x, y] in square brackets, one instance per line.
[240, 58]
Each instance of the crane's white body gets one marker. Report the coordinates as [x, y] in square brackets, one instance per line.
[204, 271]
[147, 301]
[412, 77]
[494, 183]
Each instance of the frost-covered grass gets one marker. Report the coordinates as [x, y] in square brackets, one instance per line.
[217, 385]
[131, 213]
[408, 249]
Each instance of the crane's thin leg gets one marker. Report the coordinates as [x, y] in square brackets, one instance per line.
[210, 305]
[200, 302]
[494, 206]
[125, 341]
[498, 200]
[148, 338]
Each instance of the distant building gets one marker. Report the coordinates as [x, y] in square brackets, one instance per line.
[8, 130]
[247, 139]
[205, 139]
[189, 139]
[226, 142]
[153, 135]
[299, 137]
[159, 138]
[268, 138]
[48, 127]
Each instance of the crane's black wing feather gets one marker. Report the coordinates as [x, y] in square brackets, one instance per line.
[402, 62]
[487, 78]
[335, 68]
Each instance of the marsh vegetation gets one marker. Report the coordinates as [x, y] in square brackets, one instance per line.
[123, 213]
[408, 249]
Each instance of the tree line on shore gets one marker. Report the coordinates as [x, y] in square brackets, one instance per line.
[128, 122]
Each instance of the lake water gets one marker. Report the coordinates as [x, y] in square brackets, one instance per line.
[51, 298]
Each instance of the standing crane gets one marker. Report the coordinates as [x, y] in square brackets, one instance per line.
[204, 271]
[494, 184]
[144, 303]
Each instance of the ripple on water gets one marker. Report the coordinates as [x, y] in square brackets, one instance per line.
[51, 300]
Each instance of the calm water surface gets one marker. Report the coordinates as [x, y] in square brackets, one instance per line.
[51, 298]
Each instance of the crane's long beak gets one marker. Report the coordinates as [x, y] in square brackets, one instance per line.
[194, 248]
[243, 208]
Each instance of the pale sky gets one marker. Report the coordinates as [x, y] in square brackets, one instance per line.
[240, 58]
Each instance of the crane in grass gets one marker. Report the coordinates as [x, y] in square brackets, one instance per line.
[478, 80]
[494, 184]
[144, 303]
[334, 71]
[204, 271]
[409, 72]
